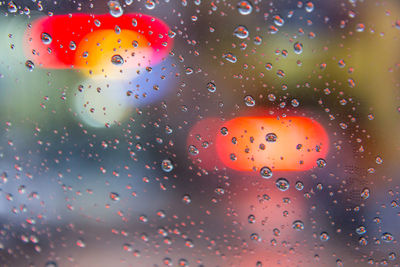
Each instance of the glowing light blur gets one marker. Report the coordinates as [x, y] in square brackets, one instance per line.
[298, 143]
[89, 41]
[250, 143]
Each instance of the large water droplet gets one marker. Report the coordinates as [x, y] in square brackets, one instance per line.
[117, 60]
[241, 32]
[298, 48]
[282, 184]
[115, 9]
[46, 38]
[29, 65]
[230, 57]
[244, 7]
[266, 172]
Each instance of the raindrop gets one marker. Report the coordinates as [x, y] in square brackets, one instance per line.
[299, 186]
[150, 4]
[321, 163]
[271, 137]
[298, 48]
[193, 150]
[365, 193]
[282, 184]
[278, 20]
[11, 7]
[266, 172]
[51, 264]
[387, 237]
[211, 87]
[224, 131]
[46, 38]
[29, 65]
[114, 196]
[309, 7]
[244, 7]
[251, 218]
[361, 230]
[249, 101]
[241, 32]
[117, 60]
[186, 199]
[166, 165]
[229, 57]
[324, 236]
[298, 225]
[115, 9]
[72, 45]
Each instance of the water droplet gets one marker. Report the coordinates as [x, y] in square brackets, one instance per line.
[12, 7]
[361, 230]
[387, 237]
[117, 60]
[271, 137]
[379, 160]
[249, 101]
[363, 241]
[80, 243]
[115, 9]
[298, 225]
[211, 87]
[241, 32]
[114, 196]
[97, 23]
[29, 65]
[309, 7]
[279, 21]
[224, 131]
[282, 184]
[72, 45]
[51, 264]
[244, 7]
[193, 150]
[324, 236]
[365, 193]
[46, 38]
[298, 48]
[266, 172]
[299, 186]
[150, 4]
[166, 165]
[186, 199]
[229, 57]
[251, 218]
[321, 163]
[255, 237]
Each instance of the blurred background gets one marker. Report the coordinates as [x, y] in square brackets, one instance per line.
[116, 159]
